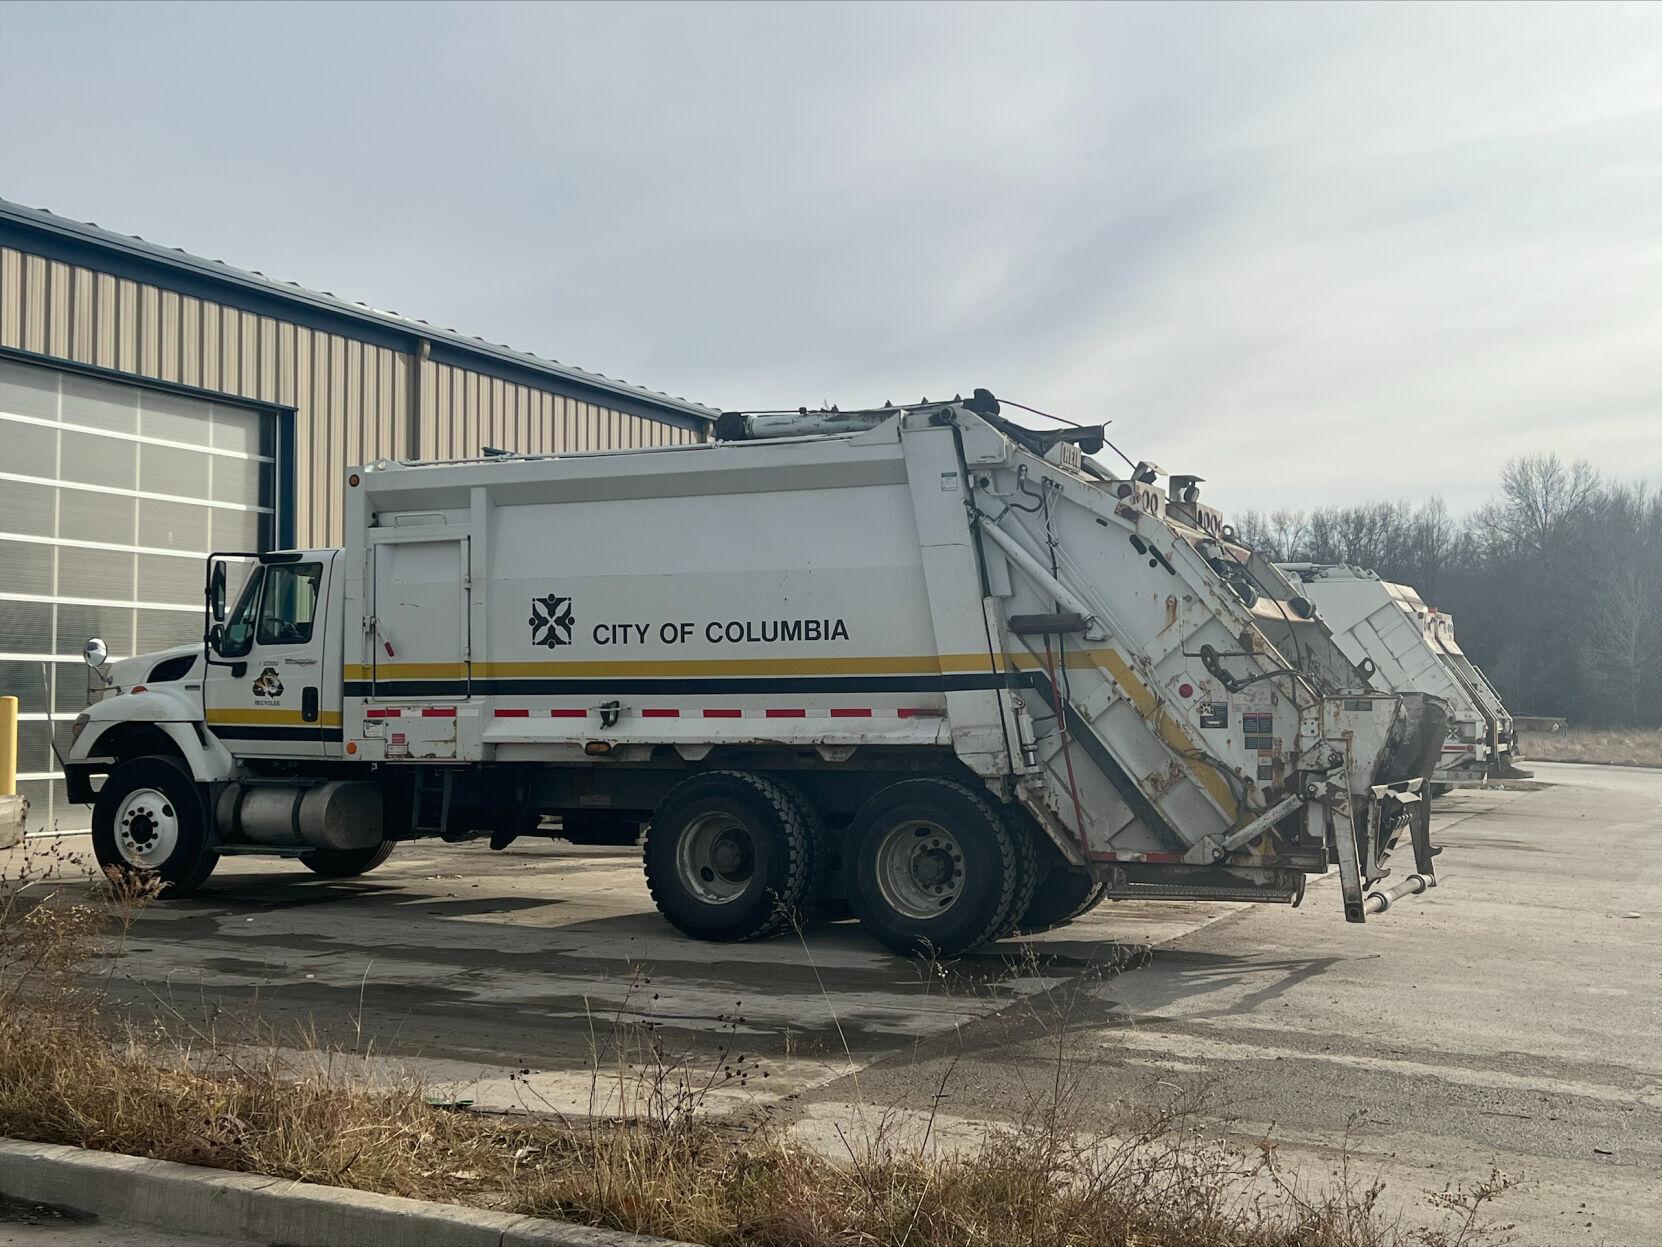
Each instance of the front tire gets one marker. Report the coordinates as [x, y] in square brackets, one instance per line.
[729, 856]
[935, 868]
[150, 818]
[346, 863]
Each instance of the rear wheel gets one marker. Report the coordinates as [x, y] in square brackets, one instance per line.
[936, 868]
[150, 818]
[1064, 895]
[729, 856]
[345, 863]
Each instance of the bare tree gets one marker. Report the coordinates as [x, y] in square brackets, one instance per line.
[1540, 494]
[1556, 582]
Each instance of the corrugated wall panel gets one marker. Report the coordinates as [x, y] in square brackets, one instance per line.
[81, 336]
[303, 366]
[168, 329]
[59, 304]
[286, 367]
[190, 341]
[126, 325]
[34, 303]
[229, 350]
[351, 398]
[11, 298]
[148, 331]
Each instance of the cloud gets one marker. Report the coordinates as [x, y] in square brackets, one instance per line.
[1313, 254]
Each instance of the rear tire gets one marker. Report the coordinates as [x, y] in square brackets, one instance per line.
[346, 863]
[729, 856]
[936, 868]
[822, 860]
[1064, 895]
[150, 818]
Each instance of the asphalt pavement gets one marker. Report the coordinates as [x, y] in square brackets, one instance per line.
[1510, 1018]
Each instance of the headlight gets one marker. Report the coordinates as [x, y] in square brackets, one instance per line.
[79, 726]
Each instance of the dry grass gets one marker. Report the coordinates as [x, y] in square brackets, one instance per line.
[70, 1072]
[1637, 746]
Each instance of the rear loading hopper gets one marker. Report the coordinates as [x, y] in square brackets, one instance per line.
[1171, 731]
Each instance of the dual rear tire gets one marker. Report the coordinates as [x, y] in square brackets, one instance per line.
[931, 867]
[730, 855]
[1063, 895]
[936, 869]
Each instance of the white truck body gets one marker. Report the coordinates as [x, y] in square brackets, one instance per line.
[831, 617]
[1412, 647]
[1501, 726]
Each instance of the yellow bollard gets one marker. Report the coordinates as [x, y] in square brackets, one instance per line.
[8, 746]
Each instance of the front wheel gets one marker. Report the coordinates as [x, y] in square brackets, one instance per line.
[150, 818]
[936, 868]
[346, 863]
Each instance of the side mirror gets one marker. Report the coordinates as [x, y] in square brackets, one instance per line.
[95, 652]
[216, 590]
[216, 637]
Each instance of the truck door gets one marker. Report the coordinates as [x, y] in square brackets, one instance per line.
[420, 618]
[270, 692]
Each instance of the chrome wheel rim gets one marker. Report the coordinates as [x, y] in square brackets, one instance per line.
[920, 869]
[146, 828]
[716, 858]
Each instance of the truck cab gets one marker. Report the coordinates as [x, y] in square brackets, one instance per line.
[271, 686]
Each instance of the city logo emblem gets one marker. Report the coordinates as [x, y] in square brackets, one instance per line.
[551, 621]
[268, 685]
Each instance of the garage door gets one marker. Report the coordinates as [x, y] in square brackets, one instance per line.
[111, 496]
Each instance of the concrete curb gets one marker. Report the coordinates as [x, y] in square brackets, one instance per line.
[215, 1202]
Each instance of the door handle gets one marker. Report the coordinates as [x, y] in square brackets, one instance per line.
[308, 705]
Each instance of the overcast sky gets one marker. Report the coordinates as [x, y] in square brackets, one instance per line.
[1312, 254]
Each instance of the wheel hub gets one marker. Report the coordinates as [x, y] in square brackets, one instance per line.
[716, 858]
[728, 856]
[146, 828]
[920, 869]
[931, 868]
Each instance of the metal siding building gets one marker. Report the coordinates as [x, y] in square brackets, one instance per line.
[155, 406]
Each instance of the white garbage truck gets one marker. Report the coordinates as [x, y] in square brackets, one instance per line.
[1412, 646]
[1502, 729]
[917, 659]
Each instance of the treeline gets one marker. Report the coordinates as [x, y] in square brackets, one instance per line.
[1555, 585]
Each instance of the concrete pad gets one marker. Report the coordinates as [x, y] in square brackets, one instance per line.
[213, 1202]
[527, 978]
[1509, 1016]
